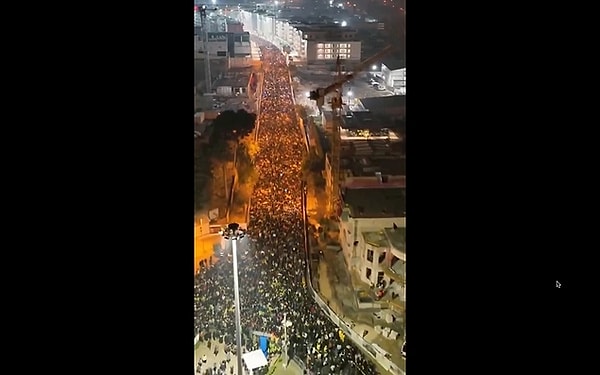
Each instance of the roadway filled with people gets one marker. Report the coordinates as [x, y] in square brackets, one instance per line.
[271, 258]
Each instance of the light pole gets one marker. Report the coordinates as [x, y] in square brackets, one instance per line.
[275, 22]
[286, 323]
[233, 233]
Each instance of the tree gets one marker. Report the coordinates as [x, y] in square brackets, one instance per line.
[247, 173]
[319, 181]
[233, 126]
[250, 147]
[313, 163]
[228, 129]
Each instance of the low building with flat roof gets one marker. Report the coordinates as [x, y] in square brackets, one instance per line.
[234, 82]
[377, 200]
[366, 166]
[368, 120]
[370, 207]
[381, 259]
[394, 106]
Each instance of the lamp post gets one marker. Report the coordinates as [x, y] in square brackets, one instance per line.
[286, 323]
[233, 233]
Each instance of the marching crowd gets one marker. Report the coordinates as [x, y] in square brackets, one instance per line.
[271, 258]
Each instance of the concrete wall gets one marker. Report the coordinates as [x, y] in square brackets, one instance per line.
[214, 48]
[350, 231]
[389, 76]
[313, 47]
[240, 62]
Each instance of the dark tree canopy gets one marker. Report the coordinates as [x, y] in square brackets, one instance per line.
[230, 125]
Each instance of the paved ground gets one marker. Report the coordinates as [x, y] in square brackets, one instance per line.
[202, 349]
[211, 359]
[292, 368]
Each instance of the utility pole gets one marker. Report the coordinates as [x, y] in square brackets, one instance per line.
[233, 233]
[207, 76]
[286, 323]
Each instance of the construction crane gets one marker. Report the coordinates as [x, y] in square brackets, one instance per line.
[319, 96]
[207, 76]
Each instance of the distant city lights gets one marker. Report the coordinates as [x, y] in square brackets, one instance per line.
[344, 23]
[374, 67]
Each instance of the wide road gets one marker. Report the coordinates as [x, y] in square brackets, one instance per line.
[277, 214]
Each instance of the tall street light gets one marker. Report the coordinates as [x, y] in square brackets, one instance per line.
[233, 233]
[286, 323]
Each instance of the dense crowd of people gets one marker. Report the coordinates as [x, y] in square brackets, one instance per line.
[271, 261]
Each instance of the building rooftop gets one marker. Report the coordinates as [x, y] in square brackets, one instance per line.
[383, 103]
[371, 148]
[325, 27]
[367, 166]
[391, 182]
[377, 239]
[233, 80]
[376, 202]
[393, 63]
[367, 120]
[361, 148]
[397, 238]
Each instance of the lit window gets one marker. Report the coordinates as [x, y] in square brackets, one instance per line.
[328, 51]
[328, 45]
[319, 57]
[320, 45]
[327, 56]
[342, 50]
[319, 50]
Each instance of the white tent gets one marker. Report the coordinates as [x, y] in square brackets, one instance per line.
[254, 360]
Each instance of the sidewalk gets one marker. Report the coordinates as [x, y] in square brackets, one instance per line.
[202, 349]
[291, 369]
[211, 359]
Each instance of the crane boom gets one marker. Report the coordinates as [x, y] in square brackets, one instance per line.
[334, 86]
